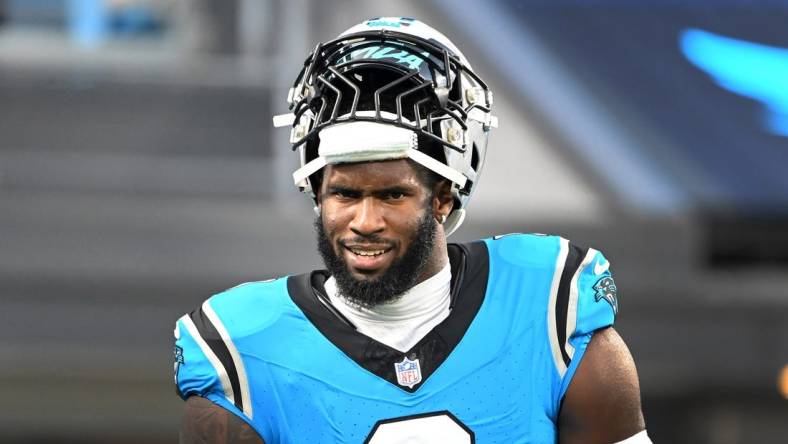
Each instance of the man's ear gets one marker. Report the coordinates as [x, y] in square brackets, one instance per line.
[443, 202]
[316, 180]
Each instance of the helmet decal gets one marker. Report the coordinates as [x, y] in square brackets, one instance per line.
[392, 22]
[387, 52]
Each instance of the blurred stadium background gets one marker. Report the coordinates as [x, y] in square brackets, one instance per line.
[139, 173]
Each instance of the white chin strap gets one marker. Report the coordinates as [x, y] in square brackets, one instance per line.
[356, 141]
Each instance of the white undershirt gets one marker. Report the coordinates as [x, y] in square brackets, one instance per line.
[402, 323]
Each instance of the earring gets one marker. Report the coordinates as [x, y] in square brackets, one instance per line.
[443, 218]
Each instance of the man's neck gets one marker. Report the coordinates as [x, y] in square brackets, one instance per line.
[439, 258]
[401, 323]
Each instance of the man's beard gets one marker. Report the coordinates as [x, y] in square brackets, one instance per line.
[401, 275]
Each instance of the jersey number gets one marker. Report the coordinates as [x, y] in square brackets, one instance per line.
[436, 427]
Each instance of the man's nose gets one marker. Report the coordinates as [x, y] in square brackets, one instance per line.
[368, 218]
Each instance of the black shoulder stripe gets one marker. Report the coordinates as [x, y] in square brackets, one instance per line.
[574, 258]
[214, 340]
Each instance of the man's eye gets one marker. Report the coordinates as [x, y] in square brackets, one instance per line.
[396, 195]
[343, 194]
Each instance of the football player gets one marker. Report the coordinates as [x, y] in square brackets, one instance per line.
[405, 337]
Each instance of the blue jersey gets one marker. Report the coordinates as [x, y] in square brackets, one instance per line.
[524, 308]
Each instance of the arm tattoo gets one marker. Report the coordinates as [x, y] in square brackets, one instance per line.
[207, 423]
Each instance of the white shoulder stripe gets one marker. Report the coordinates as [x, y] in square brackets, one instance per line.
[638, 438]
[243, 382]
[571, 312]
[551, 325]
[215, 362]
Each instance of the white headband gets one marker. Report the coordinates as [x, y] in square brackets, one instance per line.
[363, 141]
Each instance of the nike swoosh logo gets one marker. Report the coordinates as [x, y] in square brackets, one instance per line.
[601, 268]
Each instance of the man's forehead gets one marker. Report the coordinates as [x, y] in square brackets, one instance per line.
[394, 171]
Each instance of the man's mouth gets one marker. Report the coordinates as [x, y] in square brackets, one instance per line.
[363, 252]
[367, 258]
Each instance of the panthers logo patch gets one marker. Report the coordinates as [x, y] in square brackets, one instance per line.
[606, 289]
[178, 361]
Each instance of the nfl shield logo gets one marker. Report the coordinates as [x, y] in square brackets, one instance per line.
[408, 372]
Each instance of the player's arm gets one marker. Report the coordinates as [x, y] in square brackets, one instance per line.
[207, 423]
[602, 403]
